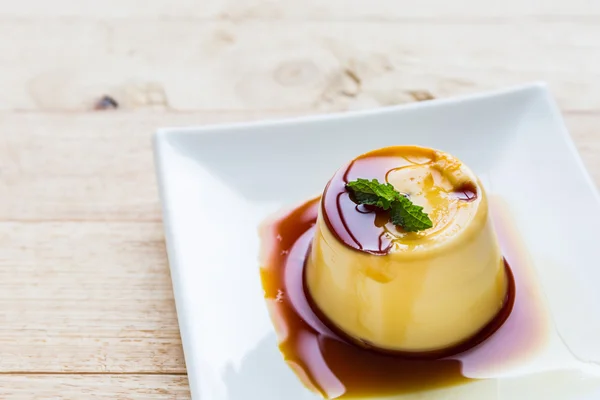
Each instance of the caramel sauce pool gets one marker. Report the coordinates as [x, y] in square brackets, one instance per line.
[330, 364]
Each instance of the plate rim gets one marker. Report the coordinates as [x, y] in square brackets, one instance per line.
[162, 132]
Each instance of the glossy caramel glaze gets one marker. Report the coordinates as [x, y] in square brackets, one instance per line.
[404, 292]
[437, 178]
[330, 364]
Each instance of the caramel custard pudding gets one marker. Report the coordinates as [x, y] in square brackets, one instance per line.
[365, 305]
[407, 291]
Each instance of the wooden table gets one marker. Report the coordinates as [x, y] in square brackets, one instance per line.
[86, 305]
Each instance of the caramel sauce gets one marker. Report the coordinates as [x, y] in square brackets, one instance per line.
[361, 228]
[331, 364]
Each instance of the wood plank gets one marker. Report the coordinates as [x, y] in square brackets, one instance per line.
[96, 166]
[302, 9]
[284, 65]
[86, 297]
[99, 166]
[109, 387]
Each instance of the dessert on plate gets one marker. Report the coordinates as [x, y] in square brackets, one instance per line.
[392, 281]
[421, 287]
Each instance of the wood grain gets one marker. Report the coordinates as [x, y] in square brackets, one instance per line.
[380, 10]
[93, 387]
[86, 305]
[94, 166]
[190, 65]
[86, 297]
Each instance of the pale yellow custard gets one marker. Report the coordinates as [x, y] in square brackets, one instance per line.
[407, 291]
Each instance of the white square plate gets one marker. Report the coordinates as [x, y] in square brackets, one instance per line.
[218, 183]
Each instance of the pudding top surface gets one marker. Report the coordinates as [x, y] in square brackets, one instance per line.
[447, 190]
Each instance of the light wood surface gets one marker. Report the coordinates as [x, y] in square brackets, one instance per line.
[86, 305]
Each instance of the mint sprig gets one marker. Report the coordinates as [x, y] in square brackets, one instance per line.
[373, 193]
[403, 212]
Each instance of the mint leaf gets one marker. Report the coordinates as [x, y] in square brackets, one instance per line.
[409, 216]
[373, 193]
[383, 195]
